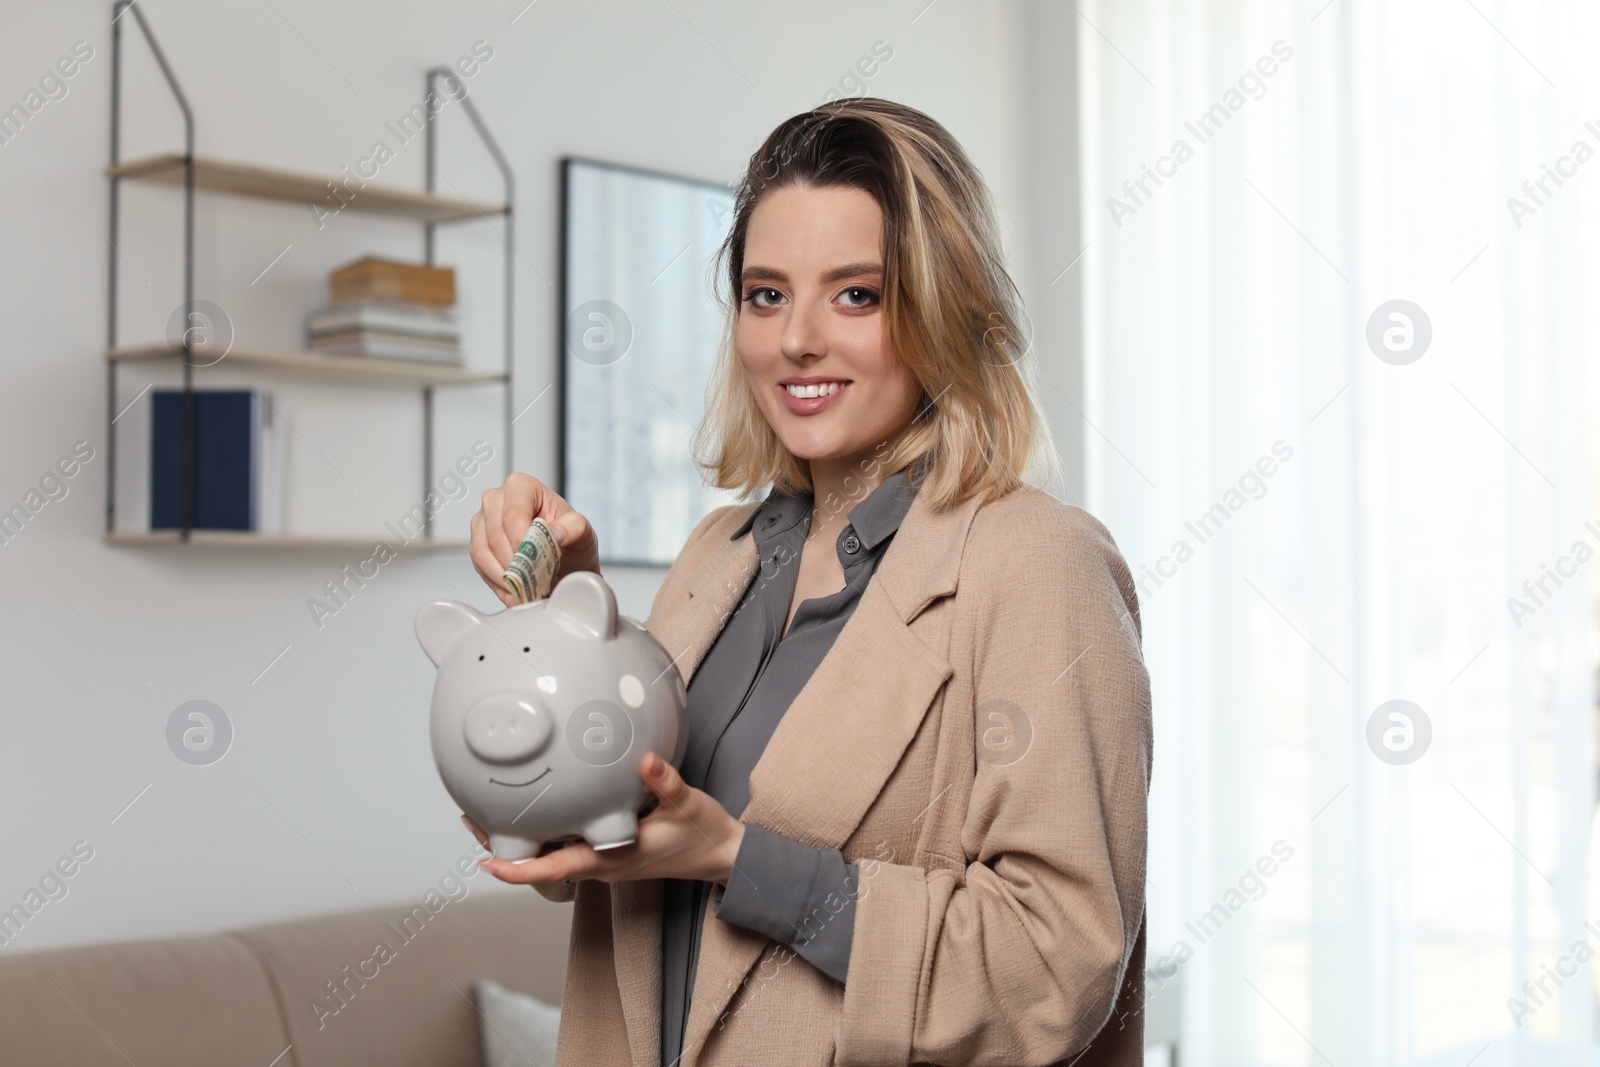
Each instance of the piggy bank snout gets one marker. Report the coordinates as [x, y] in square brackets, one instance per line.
[507, 728]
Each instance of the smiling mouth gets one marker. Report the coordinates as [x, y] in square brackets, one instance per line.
[518, 785]
[813, 390]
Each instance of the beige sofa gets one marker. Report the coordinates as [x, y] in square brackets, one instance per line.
[317, 992]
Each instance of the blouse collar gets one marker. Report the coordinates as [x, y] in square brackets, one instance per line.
[874, 518]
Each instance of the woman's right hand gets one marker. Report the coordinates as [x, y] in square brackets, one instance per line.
[508, 511]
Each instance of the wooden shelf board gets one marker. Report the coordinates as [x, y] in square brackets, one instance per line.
[371, 369]
[243, 179]
[241, 539]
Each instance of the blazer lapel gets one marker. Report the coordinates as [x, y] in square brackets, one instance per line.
[687, 633]
[843, 736]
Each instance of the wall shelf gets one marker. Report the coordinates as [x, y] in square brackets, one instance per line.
[342, 368]
[242, 539]
[191, 174]
[246, 179]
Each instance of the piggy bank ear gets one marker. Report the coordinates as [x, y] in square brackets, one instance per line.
[443, 623]
[584, 598]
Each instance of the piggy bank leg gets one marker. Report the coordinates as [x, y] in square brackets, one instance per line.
[612, 831]
[515, 849]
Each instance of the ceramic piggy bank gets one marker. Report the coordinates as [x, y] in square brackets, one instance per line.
[542, 713]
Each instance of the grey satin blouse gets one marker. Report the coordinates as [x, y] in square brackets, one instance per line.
[737, 696]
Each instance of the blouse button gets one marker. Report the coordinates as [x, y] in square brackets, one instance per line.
[851, 543]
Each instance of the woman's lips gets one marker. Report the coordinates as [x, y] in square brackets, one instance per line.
[810, 405]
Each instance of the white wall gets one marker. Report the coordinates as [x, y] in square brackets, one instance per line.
[328, 798]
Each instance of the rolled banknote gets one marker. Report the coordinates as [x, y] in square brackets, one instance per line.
[532, 570]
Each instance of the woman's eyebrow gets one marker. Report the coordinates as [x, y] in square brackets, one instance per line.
[849, 270]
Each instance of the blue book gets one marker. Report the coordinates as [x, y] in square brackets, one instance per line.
[227, 435]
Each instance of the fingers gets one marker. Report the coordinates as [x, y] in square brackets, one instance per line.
[483, 561]
[522, 499]
[575, 532]
[503, 520]
[663, 779]
[475, 830]
[526, 499]
[534, 871]
[572, 863]
[495, 508]
[579, 546]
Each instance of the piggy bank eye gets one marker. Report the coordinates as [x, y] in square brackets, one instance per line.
[480, 659]
[631, 690]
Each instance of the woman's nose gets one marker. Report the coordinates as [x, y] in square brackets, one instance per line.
[802, 336]
[507, 728]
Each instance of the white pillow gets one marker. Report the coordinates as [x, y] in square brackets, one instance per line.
[516, 1030]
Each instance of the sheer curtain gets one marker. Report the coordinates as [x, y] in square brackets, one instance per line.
[1339, 359]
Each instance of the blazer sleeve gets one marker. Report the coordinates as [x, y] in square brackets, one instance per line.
[1019, 957]
[665, 594]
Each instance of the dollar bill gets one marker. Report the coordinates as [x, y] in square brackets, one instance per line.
[532, 570]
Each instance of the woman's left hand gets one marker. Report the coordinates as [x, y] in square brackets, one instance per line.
[689, 835]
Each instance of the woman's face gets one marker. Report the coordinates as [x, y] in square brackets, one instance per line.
[810, 329]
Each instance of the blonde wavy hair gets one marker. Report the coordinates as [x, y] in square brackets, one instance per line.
[952, 315]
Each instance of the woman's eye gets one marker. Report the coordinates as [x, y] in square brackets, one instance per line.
[859, 293]
[753, 296]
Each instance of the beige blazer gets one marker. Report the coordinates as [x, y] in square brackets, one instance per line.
[978, 740]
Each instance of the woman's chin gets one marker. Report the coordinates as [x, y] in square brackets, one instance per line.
[837, 453]
[817, 448]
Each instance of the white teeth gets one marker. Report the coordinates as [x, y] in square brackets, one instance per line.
[821, 389]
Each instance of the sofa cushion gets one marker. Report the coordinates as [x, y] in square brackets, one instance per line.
[516, 1030]
[179, 1002]
[394, 985]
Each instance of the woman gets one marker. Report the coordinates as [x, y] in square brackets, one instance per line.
[910, 823]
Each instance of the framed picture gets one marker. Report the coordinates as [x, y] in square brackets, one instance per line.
[640, 329]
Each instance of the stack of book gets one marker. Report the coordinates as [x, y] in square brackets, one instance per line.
[380, 307]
